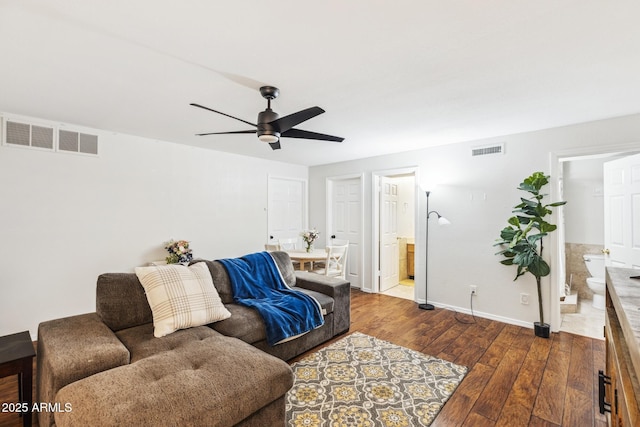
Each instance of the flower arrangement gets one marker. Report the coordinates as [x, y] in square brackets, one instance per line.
[179, 251]
[309, 237]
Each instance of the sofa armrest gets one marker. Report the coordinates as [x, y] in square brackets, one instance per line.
[70, 349]
[338, 289]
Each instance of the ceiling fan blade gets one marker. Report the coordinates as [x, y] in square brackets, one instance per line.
[287, 122]
[226, 133]
[275, 145]
[224, 114]
[305, 134]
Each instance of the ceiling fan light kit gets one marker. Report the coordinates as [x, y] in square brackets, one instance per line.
[265, 137]
[270, 127]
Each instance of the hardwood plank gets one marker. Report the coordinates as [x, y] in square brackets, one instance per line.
[496, 351]
[457, 408]
[563, 341]
[580, 375]
[579, 397]
[539, 422]
[579, 410]
[549, 404]
[599, 363]
[519, 405]
[493, 398]
[476, 420]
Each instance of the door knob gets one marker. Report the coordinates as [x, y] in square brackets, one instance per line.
[605, 251]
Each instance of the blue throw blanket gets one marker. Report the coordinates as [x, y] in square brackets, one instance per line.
[256, 282]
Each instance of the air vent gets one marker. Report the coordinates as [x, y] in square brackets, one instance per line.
[77, 142]
[30, 135]
[27, 135]
[490, 149]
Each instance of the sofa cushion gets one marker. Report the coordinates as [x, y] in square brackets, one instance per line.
[181, 297]
[121, 302]
[245, 324]
[285, 266]
[215, 381]
[141, 343]
[326, 302]
[221, 278]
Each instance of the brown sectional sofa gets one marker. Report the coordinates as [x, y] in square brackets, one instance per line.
[112, 371]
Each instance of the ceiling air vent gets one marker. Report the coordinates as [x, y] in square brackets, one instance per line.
[489, 149]
[77, 142]
[27, 135]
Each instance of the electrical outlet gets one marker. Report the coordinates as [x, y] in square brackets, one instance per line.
[474, 289]
[524, 299]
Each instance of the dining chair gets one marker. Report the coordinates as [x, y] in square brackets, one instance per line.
[270, 247]
[336, 261]
[333, 242]
[290, 244]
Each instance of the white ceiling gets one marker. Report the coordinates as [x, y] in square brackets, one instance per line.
[392, 76]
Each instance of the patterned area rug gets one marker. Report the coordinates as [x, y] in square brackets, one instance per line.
[363, 381]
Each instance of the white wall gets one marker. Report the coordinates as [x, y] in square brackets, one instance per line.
[583, 185]
[65, 218]
[477, 195]
[584, 216]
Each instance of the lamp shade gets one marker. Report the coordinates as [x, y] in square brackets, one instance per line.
[443, 221]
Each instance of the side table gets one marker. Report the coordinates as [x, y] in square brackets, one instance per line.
[16, 357]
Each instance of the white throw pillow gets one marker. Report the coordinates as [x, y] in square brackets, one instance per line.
[181, 297]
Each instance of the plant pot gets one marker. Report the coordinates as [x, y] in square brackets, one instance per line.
[542, 329]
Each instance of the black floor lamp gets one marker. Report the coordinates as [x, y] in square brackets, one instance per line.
[441, 221]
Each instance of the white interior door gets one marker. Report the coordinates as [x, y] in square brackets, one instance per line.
[622, 212]
[287, 208]
[346, 224]
[389, 263]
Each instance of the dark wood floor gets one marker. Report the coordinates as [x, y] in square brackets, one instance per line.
[514, 378]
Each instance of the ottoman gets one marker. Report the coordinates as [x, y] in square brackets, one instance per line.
[216, 381]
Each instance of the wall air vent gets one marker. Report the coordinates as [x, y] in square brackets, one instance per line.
[28, 135]
[489, 149]
[77, 142]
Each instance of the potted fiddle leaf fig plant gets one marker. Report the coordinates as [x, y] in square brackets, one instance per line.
[521, 240]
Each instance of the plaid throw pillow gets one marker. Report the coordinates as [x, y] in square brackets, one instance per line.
[181, 297]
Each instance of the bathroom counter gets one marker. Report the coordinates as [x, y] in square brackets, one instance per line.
[622, 334]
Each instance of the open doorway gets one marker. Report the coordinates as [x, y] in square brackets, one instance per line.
[579, 180]
[394, 227]
[586, 243]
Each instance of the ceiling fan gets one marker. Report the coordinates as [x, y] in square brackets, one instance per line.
[271, 127]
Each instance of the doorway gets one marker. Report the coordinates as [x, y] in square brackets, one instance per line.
[394, 233]
[579, 179]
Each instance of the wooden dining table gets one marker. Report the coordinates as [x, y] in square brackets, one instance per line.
[304, 257]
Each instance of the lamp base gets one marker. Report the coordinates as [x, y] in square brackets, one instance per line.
[426, 306]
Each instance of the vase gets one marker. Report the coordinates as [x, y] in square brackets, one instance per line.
[309, 247]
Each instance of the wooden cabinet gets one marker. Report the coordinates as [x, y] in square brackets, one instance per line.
[410, 260]
[620, 385]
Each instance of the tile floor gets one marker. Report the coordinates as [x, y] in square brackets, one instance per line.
[588, 321]
[404, 289]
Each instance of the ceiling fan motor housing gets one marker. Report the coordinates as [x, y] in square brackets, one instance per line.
[264, 124]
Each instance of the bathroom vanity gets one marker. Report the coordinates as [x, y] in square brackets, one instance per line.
[619, 386]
